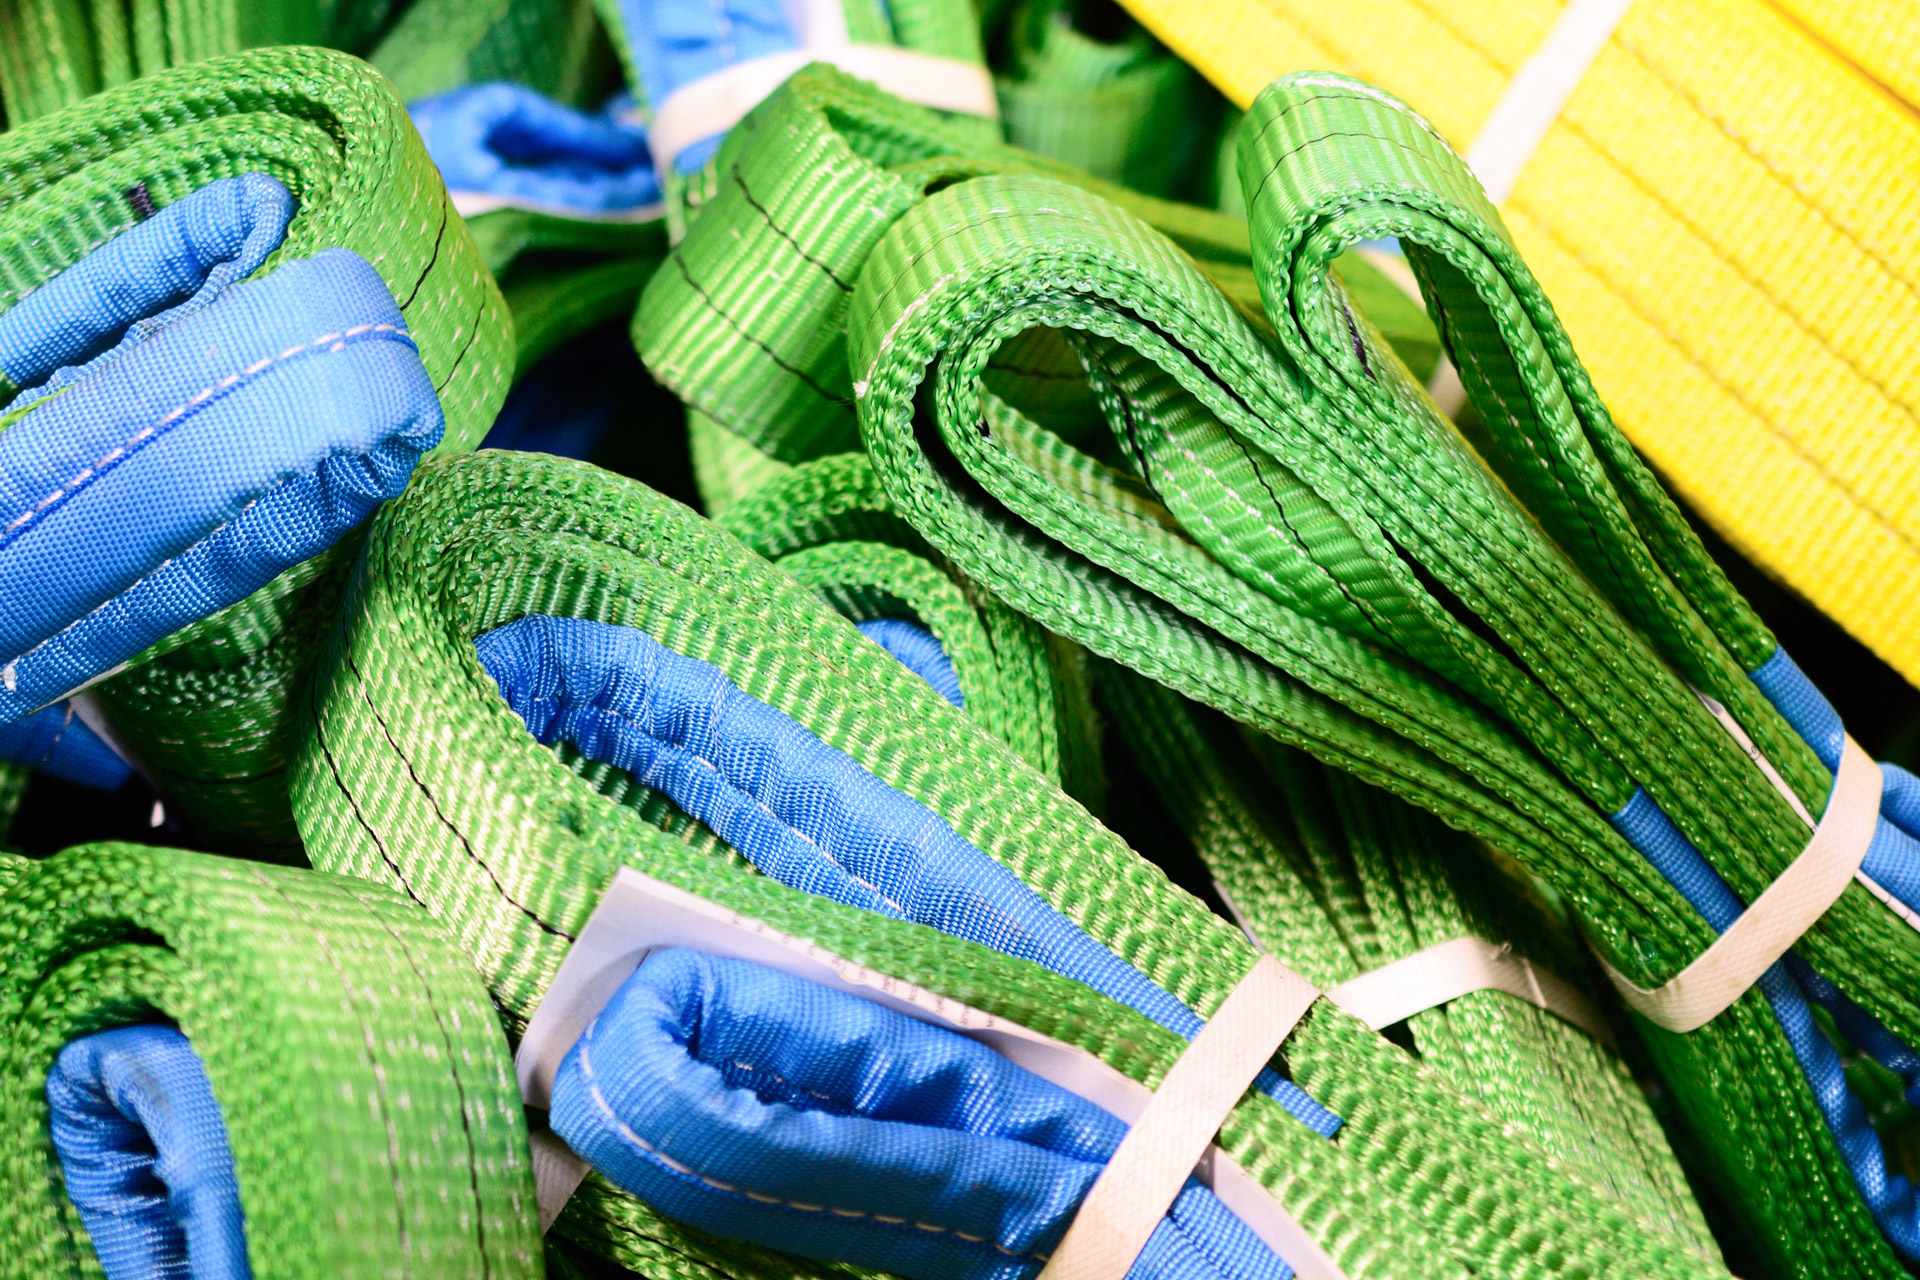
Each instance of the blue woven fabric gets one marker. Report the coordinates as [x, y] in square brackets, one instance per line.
[676, 42]
[57, 741]
[797, 809]
[150, 276]
[144, 1156]
[762, 1107]
[506, 140]
[917, 650]
[1791, 985]
[199, 463]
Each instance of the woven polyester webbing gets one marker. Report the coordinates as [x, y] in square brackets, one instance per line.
[1715, 213]
[205, 710]
[415, 772]
[366, 1088]
[1283, 527]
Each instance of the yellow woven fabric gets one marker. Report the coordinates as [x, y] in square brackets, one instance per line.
[1724, 214]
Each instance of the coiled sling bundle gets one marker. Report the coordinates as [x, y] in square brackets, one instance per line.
[335, 209]
[1711, 192]
[263, 1070]
[1526, 640]
[715, 714]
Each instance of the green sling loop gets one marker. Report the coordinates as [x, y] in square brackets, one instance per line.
[205, 709]
[1347, 879]
[1293, 535]
[366, 1087]
[415, 772]
[827, 524]
[770, 365]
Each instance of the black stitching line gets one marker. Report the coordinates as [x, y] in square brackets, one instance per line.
[320, 737]
[473, 331]
[432, 260]
[475, 858]
[705, 297]
[781, 231]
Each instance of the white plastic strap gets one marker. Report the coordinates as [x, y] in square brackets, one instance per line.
[471, 204]
[715, 103]
[1430, 978]
[1739, 735]
[1774, 922]
[1158, 1155]
[1538, 92]
[638, 914]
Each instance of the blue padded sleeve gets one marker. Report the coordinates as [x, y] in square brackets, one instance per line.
[1888, 1195]
[57, 741]
[237, 442]
[919, 652]
[762, 1107]
[799, 810]
[146, 278]
[506, 140]
[143, 1152]
[1893, 859]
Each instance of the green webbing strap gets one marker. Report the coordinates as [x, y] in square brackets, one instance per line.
[204, 710]
[726, 467]
[53, 53]
[1344, 879]
[367, 1089]
[771, 364]
[1292, 534]
[548, 45]
[827, 524]
[415, 772]
[1115, 104]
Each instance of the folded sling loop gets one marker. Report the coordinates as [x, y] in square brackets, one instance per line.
[633, 688]
[1712, 211]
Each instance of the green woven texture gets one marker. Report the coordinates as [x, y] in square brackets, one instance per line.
[801, 192]
[726, 467]
[827, 524]
[205, 710]
[1284, 528]
[54, 53]
[414, 772]
[1113, 103]
[367, 1090]
[1341, 878]
[549, 45]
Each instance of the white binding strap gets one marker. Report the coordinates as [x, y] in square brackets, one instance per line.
[1155, 1159]
[1430, 978]
[1538, 92]
[1774, 922]
[715, 103]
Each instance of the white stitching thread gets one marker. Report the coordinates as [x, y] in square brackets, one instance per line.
[626, 1133]
[199, 397]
